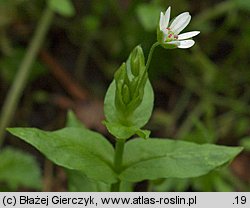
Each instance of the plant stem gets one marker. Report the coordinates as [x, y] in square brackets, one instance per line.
[15, 92]
[150, 54]
[119, 148]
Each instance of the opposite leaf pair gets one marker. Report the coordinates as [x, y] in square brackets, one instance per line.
[89, 152]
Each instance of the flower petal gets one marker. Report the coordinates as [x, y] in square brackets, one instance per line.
[187, 35]
[167, 16]
[180, 22]
[164, 20]
[161, 23]
[175, 42]
[186, 43]
[183, 43]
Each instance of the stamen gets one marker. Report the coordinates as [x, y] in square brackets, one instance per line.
[175, 36]
[170, 35]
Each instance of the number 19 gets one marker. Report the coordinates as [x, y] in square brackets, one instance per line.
[241, 200]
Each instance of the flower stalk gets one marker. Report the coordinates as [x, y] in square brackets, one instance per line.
[151, 53]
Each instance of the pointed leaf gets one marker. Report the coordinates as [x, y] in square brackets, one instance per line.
[164, 158]
[73, 148]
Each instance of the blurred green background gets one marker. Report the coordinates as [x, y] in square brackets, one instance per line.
[201, 94]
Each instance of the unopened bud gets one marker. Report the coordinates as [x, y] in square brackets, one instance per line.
[120, 74]
[137, 61]
[126, 94]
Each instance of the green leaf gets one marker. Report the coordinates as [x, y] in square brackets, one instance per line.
[148, 15]
[19, 169]
[73, 121]
[140, 116]
[62, 7]
[78, 182]
[245, 142]
[73, 148]
[164, 158]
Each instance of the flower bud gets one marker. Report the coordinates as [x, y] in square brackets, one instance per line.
[137, 61]
[130, 80]
[126, 94]
[120, 74]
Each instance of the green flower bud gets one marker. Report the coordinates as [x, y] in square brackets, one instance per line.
[120, 74]
[126, 94]
[130, 80]
[137, 61]
[133, 85]
[118, 96]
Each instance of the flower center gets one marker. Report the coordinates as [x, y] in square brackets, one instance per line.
[170, 35]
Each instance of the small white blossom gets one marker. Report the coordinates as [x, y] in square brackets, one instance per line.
[169, 35]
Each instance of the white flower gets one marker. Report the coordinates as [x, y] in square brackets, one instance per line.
[169, 35]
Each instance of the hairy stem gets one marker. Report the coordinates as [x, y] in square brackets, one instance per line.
[15, 92]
